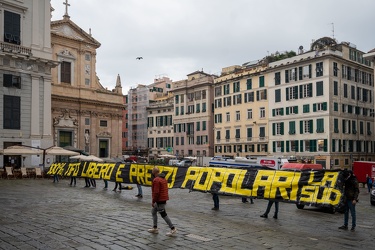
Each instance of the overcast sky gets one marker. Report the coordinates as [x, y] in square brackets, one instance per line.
[178, 37]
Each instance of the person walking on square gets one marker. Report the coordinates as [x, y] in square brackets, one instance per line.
[140, 193]
[159, 200]
[270, 203]
[351, 192]
[369, 183]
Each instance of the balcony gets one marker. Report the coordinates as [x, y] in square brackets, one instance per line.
[15, 49]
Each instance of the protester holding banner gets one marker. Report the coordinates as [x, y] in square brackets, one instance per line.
[159, 200]
[118, 184]
[351, 192]
[215, 197]
[270, 203]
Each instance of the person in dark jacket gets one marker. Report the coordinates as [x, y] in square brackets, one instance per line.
[351, 192]
[159, 200]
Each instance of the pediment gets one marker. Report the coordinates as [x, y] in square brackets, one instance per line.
[67, 28]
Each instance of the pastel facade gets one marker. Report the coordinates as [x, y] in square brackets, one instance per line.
[85, 115]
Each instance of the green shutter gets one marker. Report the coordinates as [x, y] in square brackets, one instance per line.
[301, 127]
[301, 146]
[287, 146]
[296, 142]
[311, 126]
[282, 146]
[333, 145]
[274, 146]
[282, 128]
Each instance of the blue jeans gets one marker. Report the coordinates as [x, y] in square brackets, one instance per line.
[349, 206]
[215, 197]
[55, 178]
[139, 189]
[105, 183]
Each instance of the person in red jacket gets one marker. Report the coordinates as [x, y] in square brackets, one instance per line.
[159, 200]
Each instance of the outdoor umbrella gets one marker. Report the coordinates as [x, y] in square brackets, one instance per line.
[94, 158]
[21, 150]
[79, 157]
[60, 151]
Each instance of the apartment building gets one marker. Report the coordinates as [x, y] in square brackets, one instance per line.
[139, 100]
[241, 110]
[160, 125]
[25, 76]
[322, 105]
[193, 115]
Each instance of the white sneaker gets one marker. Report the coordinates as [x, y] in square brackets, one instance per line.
[172, 232]
[153, 230]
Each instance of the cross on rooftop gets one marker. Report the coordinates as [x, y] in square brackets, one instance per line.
[66, 7]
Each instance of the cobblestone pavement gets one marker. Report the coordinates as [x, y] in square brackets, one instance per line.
[38, 214]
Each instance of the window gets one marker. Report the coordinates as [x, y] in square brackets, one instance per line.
[237, 99]
[204, 107]
[306, 144]
[291, 75]
[304, 72]
[250, 114]
[227, 115]
[218, 118]
[306, 127]
[238, 116]
[277, 95]
[227, 101]
[278, 128]
[218, 103]
[320, 125]
[198, 125]
[12, 27]
[249, 97]
[335, 125]
[319, 88]
[292, 127]
[65, 72]
[176, 111]
[335, 106]
[261, 81]
[204, 94]
[277, 78]
[335, 69]
[217, 91]
[238, 133]
[87, 82]
[87, 121]
[262, 132]
[65, 138]
[249, 84]
[226, 89]
[319, 69]
[321, 145]
[291, 110]
[352, 92]
[293, 146]
[249, 134]
[218, 135]
[12, 112]
[305, 90]
[320, 106]
[236, 87]
[262, 112]
[306, 108]
[198, 107]
[335, 88]
[227, 134]
[176, 99]
[278, 112]
[292, 93]
[345, 90]
[103, 123]
[11, 81]
[87, 57]
[261, 95]
[204, 125]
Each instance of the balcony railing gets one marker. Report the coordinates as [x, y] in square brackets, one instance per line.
[16, 49]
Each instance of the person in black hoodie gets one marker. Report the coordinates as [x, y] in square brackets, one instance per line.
[351, 192]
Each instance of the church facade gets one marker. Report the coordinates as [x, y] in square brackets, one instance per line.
[85, 115]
